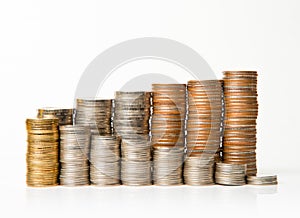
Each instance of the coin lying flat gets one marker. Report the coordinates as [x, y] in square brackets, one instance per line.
[230, 174]
[42, 152]
[262, 180]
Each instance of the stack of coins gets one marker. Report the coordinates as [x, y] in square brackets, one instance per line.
[74, 147]
[169, 115]
[167, 165]
[105, 160]
[199, 170]
[64, 115]
[136, 161]
[131, 113]
[95, 113]
[42, 152]
[230, 174]
[204, 117]
[241, 110]
[262, 180]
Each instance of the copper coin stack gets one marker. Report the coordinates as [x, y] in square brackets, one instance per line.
[131, 122]
[64, 115]
[168, 132]
[74, 148]
[42, 152]
[95, 113]
[204, 117]
[105, 160]
[241, 110]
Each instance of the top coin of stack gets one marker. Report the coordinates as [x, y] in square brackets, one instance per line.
[169, 114]
[64, 115]
[241, 110]
[132, 113]
[95, 113]
[42, 152]
[204, 116]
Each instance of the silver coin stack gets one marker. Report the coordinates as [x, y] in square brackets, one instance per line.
[262, 180]
[95, 113]
[131, 123]
[136, 161]
[230, 174]
[64, 115]
[199, 170]
[167, 165]
[74, 144]
[105, 160]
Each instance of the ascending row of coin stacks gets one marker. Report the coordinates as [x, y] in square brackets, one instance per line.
[168, 132]
[131, 123]
[42, 152]
[241, 110]
[203, 130]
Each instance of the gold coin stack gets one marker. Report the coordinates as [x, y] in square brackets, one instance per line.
[204, 117]
[241, 110]
[168, 132]
[64, 115]
[95, 113]
[42, 152]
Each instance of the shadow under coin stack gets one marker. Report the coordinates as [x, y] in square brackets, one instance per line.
[105, 160]
[95, 113]
[203, 130]
[168, 132]
[241, 110]
[42, 152]
[74, 147]
[131, 123]
[64, 116]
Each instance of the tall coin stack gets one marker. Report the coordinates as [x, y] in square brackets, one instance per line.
[42, 152]
[168, 132]
[241, 110]
[131, 123]
[95, 113]
[64, 115]
[74, 147]
[105, 160]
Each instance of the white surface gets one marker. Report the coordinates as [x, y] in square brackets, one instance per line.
[46, 45]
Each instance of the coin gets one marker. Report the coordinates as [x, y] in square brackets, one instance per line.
[42, 152]
[262, 180]
[74, 150]
[64, 115]
[230, 174]
[241, 110]
[105, 160]
[95, 113]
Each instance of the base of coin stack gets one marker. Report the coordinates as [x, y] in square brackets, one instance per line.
[230, 174]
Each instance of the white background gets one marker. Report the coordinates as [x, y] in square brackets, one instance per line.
[46, 45]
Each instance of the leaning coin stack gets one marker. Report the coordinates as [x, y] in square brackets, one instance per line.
[168, 132]
[262, 180]
[167, 165]
[199, 170]
[74, 144]
[241, 110]
[95, 113]
[42, 152]
[105, 160]
[204, 117]
[64, 116]
[230, 174]
[136, 161]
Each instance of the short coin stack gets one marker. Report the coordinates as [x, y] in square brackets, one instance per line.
[262, 180]
[105, 160]
[168, 132]
[74, 147]
[95, 113]
[241, 110]
[42, 152]
[199, 170]
[204, 117]
[230, 174]
[64, 115]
